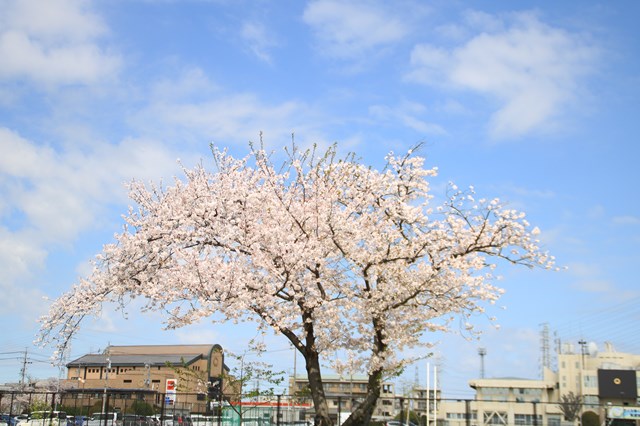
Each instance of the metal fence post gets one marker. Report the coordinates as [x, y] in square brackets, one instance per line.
[278, 411]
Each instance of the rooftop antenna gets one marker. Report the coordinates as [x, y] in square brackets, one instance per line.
[482, 352]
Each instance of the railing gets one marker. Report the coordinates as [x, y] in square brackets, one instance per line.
[143, 407]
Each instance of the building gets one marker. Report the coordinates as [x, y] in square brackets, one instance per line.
[345, 393]
[422, 401]
[180, 377]
[507, 401]
[601, 386]
[606, 381]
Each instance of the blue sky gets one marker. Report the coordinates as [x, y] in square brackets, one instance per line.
[532, 102]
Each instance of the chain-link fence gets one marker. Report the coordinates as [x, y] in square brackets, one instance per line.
[129, 407]
[147, 408]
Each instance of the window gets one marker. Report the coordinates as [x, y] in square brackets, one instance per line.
[591, 400]
[127, 381]
[495, 418]
[527, 419]
[528, 395]
[460, 416]
[495, 394]
[591, 381]
[553, 420]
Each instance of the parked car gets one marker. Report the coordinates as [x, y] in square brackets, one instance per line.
[399, 423]
[21, 418]
[77, 420]
[104, 419]
[175, 420]
[7, 420]
[134, 420]
[46, 418]
[202, 420]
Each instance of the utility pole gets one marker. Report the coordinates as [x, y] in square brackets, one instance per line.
[583, 347]
[23, 370]
[147, 380]
[106, 384]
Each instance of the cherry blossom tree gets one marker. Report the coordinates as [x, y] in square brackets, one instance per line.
[338, 257]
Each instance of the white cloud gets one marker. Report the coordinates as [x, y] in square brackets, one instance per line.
[51, 196]
[53, 20]
[60, 193]
[231, 118]
[191, 83]
[348, 30]
[626, 220]
[532, 69]
[53, 43]
[259, 40]
[408, 114]
[588, 278]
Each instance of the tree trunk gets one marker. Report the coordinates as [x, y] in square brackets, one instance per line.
[312, 364]
[362, 415]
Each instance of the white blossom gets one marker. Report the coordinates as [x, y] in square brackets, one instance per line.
[327, 249]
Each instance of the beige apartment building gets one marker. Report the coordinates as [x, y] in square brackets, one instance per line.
[182, 376]
[604, 381]
[345, 393]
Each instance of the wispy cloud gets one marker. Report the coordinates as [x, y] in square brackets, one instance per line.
[350, 30]
[409, 114]
[588, 278]
[259, 40]
[532, 69]
[626, 220]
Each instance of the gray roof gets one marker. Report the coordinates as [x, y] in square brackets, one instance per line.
[100, 360]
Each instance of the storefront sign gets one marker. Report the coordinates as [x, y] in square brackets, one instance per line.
[632, 413]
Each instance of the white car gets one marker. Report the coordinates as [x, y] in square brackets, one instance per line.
[46, 418]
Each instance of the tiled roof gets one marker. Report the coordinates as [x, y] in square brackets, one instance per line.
[133, 360]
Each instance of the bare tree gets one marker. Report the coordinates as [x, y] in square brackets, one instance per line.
[570, 405]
